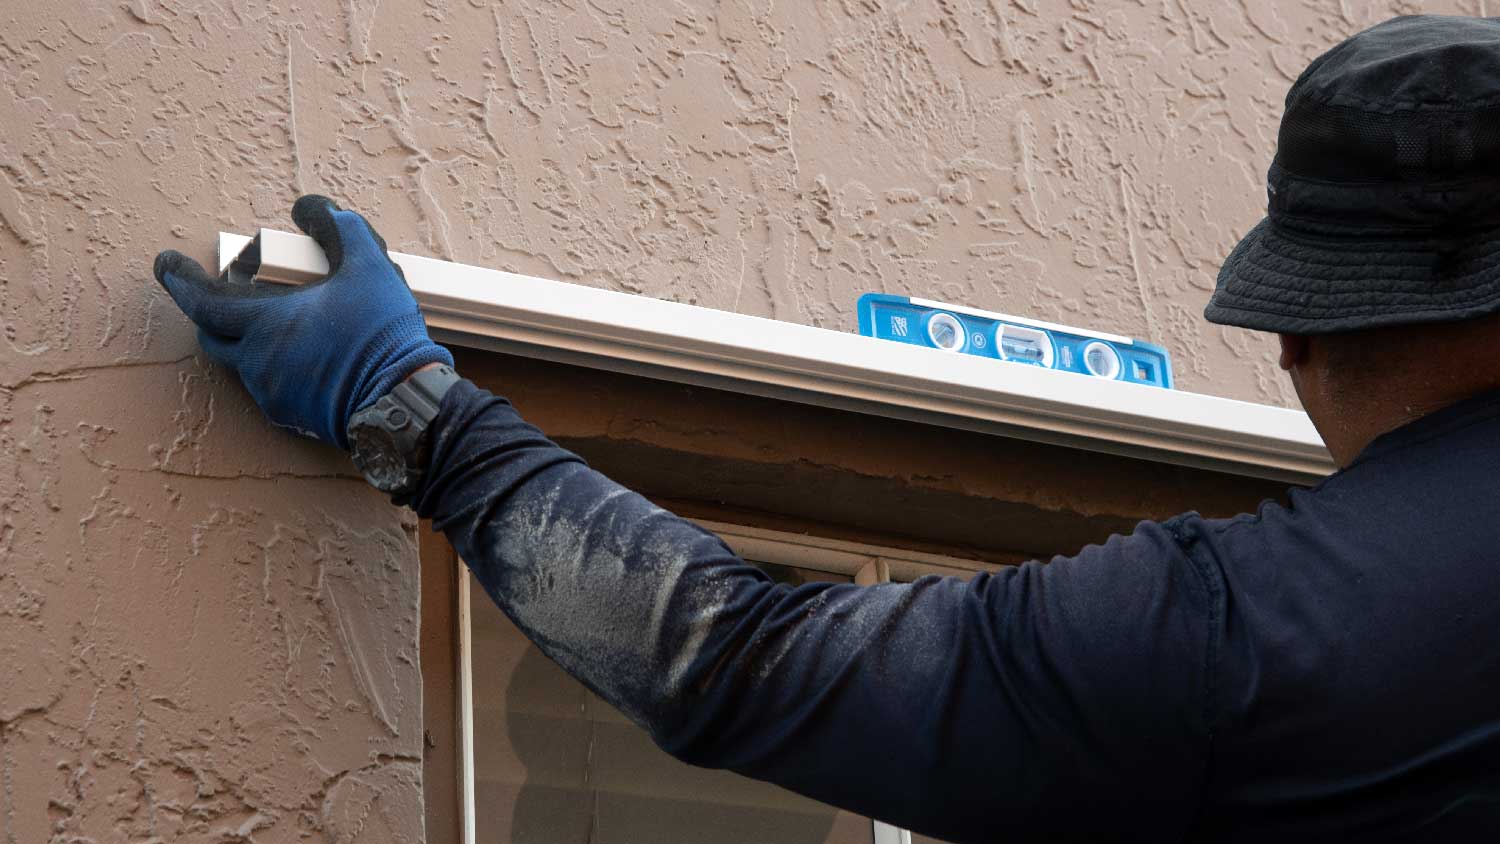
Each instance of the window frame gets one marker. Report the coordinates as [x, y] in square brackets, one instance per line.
[864, 564]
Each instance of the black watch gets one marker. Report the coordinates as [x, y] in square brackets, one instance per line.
[388, 439]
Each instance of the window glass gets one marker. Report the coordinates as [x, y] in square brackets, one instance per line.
[554, 764]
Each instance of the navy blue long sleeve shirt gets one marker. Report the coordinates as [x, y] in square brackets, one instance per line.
[1316, 671]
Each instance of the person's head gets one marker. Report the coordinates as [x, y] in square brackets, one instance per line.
[1379, 260]
[1355, 385]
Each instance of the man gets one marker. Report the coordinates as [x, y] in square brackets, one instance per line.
[1321, 670]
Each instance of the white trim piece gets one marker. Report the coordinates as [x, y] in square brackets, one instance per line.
[1034, 323]
[604, 329]
[465, 705]
[884, 833]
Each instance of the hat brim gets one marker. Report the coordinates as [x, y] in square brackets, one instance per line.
[1277, 281]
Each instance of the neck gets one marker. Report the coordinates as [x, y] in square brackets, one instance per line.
[1350, 433]
[1359, 385]
[1364, 415]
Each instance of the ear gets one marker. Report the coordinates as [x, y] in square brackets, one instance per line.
[1293, 350]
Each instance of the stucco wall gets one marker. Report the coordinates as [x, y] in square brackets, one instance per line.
[208, 629]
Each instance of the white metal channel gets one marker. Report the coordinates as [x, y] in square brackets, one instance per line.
[467, 829]
[573, 323]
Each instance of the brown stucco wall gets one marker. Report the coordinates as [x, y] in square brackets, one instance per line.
[208, 630]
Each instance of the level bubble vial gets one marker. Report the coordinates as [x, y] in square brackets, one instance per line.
[946, 332]
[1101, 360]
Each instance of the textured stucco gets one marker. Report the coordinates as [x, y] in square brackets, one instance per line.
[207, 630]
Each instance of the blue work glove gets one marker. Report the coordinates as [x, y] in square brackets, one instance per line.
[311, 355]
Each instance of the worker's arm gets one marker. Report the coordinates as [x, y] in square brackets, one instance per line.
[1068, 699]
[1043, 698]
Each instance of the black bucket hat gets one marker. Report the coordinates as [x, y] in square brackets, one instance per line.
[1384, 196]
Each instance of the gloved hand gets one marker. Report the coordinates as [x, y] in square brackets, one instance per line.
[312, 355]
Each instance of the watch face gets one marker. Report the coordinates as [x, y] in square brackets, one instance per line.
[377, 455]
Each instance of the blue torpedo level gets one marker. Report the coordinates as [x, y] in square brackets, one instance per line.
[920, 322]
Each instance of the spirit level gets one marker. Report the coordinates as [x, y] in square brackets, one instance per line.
[949, 328]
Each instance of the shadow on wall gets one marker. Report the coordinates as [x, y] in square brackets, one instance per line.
[594, 778]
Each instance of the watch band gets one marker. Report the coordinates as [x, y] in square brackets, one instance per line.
[422, 394]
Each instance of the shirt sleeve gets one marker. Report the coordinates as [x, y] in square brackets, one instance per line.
[1061, 701]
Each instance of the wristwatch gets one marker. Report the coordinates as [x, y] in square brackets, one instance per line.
[388, 440]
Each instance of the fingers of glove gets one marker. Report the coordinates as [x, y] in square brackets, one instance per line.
[212, 305]
[344, 235]
[313, 214]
